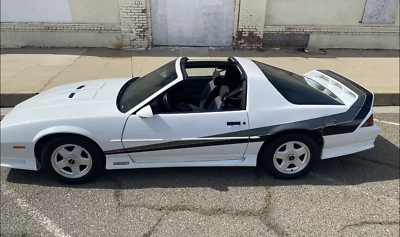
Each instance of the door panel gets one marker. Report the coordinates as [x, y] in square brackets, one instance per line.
[186, 137]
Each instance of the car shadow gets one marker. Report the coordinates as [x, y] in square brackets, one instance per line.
[375, 165]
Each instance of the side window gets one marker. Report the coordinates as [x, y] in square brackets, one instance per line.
[171, 102]
[200, 94]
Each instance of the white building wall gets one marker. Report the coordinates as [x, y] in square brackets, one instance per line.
[328, 24]
[51, 11]
[318, 13]
[60, 23]
[372, 41]
[95, 11]
[60, 35]
[126, 23]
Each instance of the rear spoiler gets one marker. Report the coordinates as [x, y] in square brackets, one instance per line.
[357, 97]
[351, 93]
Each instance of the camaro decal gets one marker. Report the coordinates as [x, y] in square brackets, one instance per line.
[121, 163]
[346, 122]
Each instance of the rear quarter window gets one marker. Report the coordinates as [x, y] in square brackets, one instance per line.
[296, 89]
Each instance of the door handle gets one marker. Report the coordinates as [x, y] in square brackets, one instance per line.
[232, 123]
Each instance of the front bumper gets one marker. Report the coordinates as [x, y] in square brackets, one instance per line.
[20, 163]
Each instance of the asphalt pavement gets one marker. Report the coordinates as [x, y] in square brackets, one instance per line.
[354, 195]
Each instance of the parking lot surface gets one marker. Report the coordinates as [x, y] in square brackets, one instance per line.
[354, 195]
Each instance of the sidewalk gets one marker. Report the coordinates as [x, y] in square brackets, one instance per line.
[26, 72]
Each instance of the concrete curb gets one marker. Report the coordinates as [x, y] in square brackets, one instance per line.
[388, 99]
[10, 100]
[381, 99]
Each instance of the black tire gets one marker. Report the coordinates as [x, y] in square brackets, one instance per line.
[97, 158]
[268, 151]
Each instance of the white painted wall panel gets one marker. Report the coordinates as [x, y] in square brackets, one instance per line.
[50, 11]
[380, 11]
[192, 23]
[318, 12]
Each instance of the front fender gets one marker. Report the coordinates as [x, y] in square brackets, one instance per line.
[62, 129]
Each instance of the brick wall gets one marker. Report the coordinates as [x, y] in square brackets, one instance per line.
[134, 23]
[60, 27]
[285, 40]
[251, 24]
[60, 35]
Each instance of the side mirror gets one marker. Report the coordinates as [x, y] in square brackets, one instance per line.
[145, 112]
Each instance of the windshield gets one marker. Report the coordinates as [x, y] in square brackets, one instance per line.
[137, 90]
[297, 89]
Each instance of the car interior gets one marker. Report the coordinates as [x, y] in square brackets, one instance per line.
[207, 86]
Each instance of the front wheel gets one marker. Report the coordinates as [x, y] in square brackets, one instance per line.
[290, 156]
[72, 159]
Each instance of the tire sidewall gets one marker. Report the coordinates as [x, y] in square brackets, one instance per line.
[269, 151]
[98, 159]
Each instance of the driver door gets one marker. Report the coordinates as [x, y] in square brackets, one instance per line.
[184, 137]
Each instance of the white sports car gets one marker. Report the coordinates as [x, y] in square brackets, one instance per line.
[188, 113]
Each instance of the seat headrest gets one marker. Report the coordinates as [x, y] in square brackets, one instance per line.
[217, 78]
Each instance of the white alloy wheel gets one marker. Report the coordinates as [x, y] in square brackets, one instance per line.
[71, 161]
[291, 157]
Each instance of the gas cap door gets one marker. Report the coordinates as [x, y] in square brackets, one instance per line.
[329, 120]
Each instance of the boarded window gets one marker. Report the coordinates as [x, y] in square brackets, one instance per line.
[380, 11]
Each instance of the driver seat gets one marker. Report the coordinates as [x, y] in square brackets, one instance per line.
[212, 97]
[211, 90]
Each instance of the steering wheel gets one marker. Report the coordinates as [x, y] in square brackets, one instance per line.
[168, 102]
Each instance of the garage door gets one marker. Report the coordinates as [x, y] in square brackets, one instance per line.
[192, 23]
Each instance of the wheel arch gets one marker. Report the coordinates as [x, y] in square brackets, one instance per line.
[316, 136]
[41, 142]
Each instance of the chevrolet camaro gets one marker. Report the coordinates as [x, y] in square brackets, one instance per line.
[191, 113]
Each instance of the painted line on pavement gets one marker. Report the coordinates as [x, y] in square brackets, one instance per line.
[43, 220]
[377, 196]
[381, 121]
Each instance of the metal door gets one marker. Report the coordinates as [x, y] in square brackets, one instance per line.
[187, 137]
[192, 23]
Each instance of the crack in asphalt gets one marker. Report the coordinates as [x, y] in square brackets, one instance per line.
[266, 219]
[148, 233]
[362, 223]
[117, 191]
[205, 212]
[263, 216]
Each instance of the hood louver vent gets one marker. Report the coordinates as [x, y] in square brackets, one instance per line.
[80, 87]
[71, 95]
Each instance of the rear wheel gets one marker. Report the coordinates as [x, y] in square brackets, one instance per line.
[72, 159]
[290, 156]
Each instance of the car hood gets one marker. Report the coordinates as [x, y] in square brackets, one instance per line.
[85, 98]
